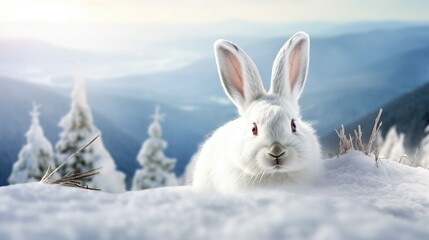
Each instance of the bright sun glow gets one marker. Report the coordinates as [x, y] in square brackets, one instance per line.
[32, 11]
[198, 11]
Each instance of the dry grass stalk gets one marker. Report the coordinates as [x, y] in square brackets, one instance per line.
[404, 156]
[71, 179]
[351, 142]
[358, 141]
[344, 143]
[415, 157]
[377, 156]
[410, 160]
[374, 132]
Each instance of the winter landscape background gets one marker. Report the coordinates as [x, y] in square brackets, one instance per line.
[355, 69]
[136, 55]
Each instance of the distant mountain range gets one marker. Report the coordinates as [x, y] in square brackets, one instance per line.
[350, 74]
[409, 113]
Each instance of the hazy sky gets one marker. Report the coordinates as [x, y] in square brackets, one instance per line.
[202, 11]
[154, 35]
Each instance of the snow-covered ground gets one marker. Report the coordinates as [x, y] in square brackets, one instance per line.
[355, 200]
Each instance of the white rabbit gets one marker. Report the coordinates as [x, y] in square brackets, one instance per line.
[269, 144]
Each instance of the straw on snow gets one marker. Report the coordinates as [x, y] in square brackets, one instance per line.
[347, 144]
[71, 179]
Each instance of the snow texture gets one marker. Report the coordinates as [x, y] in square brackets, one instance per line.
[79, 129]
[157, 168]
[354, 200]
[35, 156]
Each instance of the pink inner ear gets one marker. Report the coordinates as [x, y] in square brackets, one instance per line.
[235, 72]
[294, 64]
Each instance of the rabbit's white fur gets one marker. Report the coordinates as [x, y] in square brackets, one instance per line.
[233, 158]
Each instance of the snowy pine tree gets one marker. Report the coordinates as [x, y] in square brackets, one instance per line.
[392, 147]
[36, 155]
[424, 150]
[78, 129]
[157, 168]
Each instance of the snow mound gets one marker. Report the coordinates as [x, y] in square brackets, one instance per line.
[355, 200]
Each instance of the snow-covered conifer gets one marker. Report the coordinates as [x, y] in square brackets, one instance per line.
[424, 150]
[392, 146]
[36, 155]
[157, 168]
[78, 129]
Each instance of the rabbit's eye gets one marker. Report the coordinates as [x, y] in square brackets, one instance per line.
[293, 125]
[254, 129]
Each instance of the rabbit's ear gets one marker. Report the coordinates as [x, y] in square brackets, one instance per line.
[239, 76]
[290, 67]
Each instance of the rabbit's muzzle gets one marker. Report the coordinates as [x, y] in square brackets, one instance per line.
[277, 153]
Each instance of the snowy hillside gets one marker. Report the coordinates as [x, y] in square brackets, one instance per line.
[408, 112]
[355, 200]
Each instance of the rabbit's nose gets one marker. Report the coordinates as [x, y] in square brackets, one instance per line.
[276, 150]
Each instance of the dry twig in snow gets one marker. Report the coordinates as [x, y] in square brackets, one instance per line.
[344, 142]
[377, 156]
[71, 179]
[374, 132]
[358, 139]
[415, 157]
